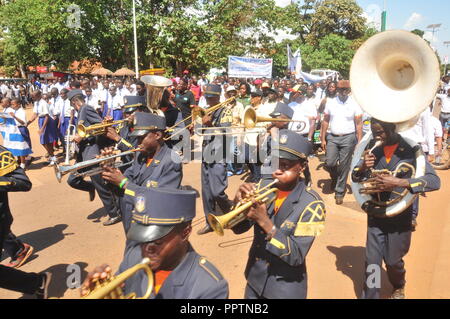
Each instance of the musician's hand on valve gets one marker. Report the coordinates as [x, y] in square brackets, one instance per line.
[388, 183]
[244, 191]
[207, 120]
[99, 275]
[369, 161]
[108, 118]
[77, 139]
[112, 175]
[112, 134]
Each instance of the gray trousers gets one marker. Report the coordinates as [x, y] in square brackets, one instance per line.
[390, 246]
[338, 159]
[214, 184]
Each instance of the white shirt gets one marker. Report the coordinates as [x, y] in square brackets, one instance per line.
[342, 115]
[302, 112]
[445, 103]
[436, 127]
[41, 108]
[422, 132]
[19, 113]
[66, 108]
[55, 106]
[60, 86]
[115, 102]
[92, 100]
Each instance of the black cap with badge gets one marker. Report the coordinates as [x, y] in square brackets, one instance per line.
[73, 93]
[158, 210]
[132, 103]
[282, 109]
[212, 90]
[147, 122]
[293, 146]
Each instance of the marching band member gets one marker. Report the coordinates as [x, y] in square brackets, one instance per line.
[154, 166]
[215, 148]
[89, 148]
[285, 229]
[14, 179]
[160, 231]
[389, 239]
[125, 142]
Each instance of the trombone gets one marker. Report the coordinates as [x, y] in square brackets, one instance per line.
[250, 119]
[61, 170]
[111, 289]
[237, 215]
[96, 129]
[196, 112]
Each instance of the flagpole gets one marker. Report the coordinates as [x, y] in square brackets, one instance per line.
[136, 61]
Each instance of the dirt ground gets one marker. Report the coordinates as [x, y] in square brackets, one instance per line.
[65, 229]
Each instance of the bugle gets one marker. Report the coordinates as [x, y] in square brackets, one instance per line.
[77, 169]
[237, 215]
[111, 289]
[96, 129]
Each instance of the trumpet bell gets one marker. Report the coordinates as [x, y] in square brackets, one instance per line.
[216, 224]
[395, 76]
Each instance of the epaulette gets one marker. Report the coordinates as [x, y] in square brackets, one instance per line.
[210, 269]
[312, 219]
[313, 193]
[8, 163]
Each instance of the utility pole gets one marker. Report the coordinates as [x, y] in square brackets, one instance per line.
[434, 29]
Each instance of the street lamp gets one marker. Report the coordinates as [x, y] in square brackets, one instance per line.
[135, 41]
[434, 29]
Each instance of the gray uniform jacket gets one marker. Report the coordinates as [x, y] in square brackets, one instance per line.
[193, 278]
[91, 146]
[403, 154]
[276, 269]
[166, 171]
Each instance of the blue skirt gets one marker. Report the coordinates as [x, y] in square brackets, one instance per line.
[49, 136]
[26, 135]
[117, 115]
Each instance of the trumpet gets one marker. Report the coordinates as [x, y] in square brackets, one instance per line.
[251, 119]
[237, 215]
[76, 169]
[96, 129]
[196, 112]
[111, 288]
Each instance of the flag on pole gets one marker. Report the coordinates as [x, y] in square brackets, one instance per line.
[294, 61]
[12, 139]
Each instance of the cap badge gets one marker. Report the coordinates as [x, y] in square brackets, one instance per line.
[283, 139]
[125, 100]
[140, 204]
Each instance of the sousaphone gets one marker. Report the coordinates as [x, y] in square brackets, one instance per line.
[155, 86]
[394, 78]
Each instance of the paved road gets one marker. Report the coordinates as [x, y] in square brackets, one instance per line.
[66, 229]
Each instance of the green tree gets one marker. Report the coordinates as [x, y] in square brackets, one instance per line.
[420, 33]
[341, 17]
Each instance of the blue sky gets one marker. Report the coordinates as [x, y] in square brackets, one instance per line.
[409, 15]
[412, 14]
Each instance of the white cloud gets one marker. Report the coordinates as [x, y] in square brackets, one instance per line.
[282, 3]
[373, 16]
[414, 21]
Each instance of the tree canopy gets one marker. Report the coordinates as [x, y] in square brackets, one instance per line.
[194, 34]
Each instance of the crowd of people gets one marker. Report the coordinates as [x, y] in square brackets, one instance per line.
[147, 195]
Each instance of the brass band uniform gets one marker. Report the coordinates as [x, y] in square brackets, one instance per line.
[285, 229]
[89, 148]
